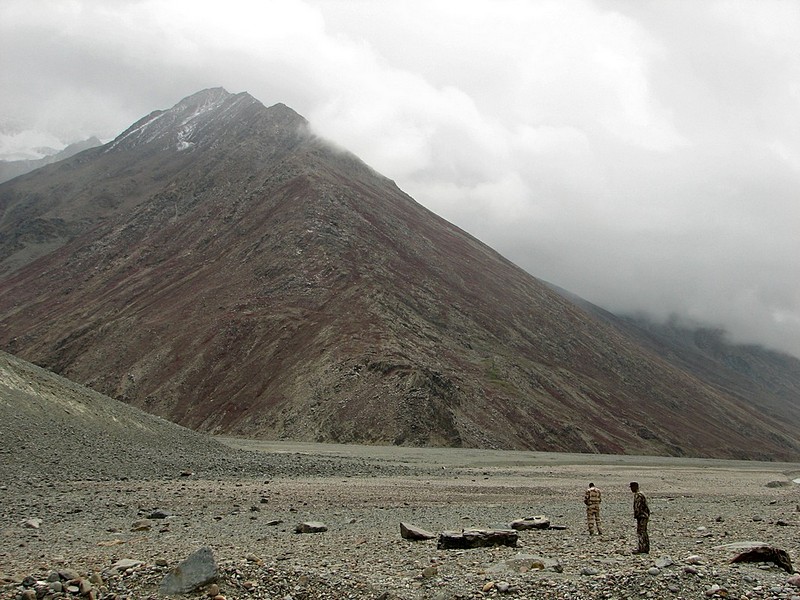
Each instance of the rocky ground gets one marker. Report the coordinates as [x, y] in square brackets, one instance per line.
[700, 508]
[99, 501]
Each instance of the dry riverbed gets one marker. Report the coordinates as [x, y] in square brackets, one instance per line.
[79, 524]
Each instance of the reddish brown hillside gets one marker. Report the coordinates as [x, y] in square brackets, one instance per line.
[222, 267]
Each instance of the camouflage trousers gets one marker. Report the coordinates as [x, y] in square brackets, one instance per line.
[593, 519]
[641, 535]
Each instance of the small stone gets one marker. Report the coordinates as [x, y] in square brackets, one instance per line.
[653, 571]
[430, 571]
[488, 586]
[589, 571]
[310, 527]
[34, 523]
[69, 574]
[213, 590]
[141, 525]
[503, 587]
[125, 564]
[664, 562]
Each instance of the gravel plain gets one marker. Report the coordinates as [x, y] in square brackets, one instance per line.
[100, 501]
[248, 518]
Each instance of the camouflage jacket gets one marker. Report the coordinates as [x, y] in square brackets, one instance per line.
[640, 508]
[592, 497]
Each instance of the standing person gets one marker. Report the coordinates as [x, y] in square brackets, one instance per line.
[592, 499]
[641, 512]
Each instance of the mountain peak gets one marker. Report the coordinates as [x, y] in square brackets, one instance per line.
[201, 120]
[208, 96]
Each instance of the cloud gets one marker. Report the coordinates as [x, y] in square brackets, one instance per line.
[643, 155]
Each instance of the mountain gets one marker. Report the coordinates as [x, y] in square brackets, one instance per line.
[219, 265]
[13, 168]
[768, 379]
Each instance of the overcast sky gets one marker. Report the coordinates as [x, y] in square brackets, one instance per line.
[642, 154]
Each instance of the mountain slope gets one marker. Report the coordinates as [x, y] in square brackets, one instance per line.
[45, 418]
[219, 265]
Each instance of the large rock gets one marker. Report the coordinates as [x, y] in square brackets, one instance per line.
[412, 532]
[197, 570]
[477, 538]
[766, 554]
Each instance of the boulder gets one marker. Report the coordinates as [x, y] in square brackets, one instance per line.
[766, 554]
[477, 538]
[197, 570]
[412, 532]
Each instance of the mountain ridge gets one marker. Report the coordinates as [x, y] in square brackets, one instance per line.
[13, 168]
[220, 265]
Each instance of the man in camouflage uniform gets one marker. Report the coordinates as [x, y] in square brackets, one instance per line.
[641, 512]
[592, 501]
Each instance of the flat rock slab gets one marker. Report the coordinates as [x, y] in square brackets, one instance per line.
[477, 538]
[412, 532]
[537, 522]
[197, 570]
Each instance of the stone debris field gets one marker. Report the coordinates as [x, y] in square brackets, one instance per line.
[301, 522]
